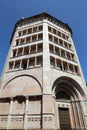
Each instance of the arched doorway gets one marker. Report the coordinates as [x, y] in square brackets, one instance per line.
[63, 101]
[69, 108]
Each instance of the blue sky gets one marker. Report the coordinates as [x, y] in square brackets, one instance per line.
[73, 12]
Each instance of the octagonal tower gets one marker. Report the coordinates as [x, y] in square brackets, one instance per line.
[42, 85]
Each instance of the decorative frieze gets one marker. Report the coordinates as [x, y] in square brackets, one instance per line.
[17, 119]
[3, 118]
[30, 119]
[47, 118]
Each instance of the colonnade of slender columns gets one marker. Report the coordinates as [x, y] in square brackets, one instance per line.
[11, 111]
[77, 115]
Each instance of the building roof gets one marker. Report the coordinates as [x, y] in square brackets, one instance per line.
[40, 16]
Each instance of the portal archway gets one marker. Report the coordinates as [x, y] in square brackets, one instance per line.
[67, 98]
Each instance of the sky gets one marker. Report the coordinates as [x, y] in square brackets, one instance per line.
[72, 12]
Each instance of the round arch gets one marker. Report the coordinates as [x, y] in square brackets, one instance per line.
[68, 85]
[22, 85]
[21, 76]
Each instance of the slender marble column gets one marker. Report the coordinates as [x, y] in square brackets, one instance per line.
[82, 114]
[26, 112]
[75, 115]
[10, 112]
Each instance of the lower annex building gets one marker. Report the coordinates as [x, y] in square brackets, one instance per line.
[42, 85]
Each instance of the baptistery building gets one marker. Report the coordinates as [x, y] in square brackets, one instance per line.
[42, 85]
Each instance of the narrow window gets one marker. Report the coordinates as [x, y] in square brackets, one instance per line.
[61, 42]
[39, 60]
[56, 40]
[30, 30]
[34, 29]
[11, 65]
[65, 44]
[22, 41]
[63, 53]
[52, 61]
[17, 42]
[65, 66]
[51, 48]
[17, 64]
[77, 70]
[59, 34]
[32, 62]
[49, 29]
[63, 36]
[50, 38]
[19, 51]
[54, 31]
[72, 57]
[71, 68]
[40, 36]
[14, 53]
[33, 49]
[24, 64]
[39, 47]
[57, 52]
[59, 65]
[24, 32]
[19, 33]
[34, 38]
[68, 56]
[40, 28]
[69, 46]
[28, 39]
[26, 50]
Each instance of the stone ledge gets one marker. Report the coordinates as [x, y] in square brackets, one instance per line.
[42, 129]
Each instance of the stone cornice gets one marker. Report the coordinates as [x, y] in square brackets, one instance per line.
[40, 17]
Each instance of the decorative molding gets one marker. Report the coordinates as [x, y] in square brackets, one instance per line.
[30, 119]
[47, 118]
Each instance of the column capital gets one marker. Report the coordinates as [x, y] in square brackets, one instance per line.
[11, 98]
[27, 97]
